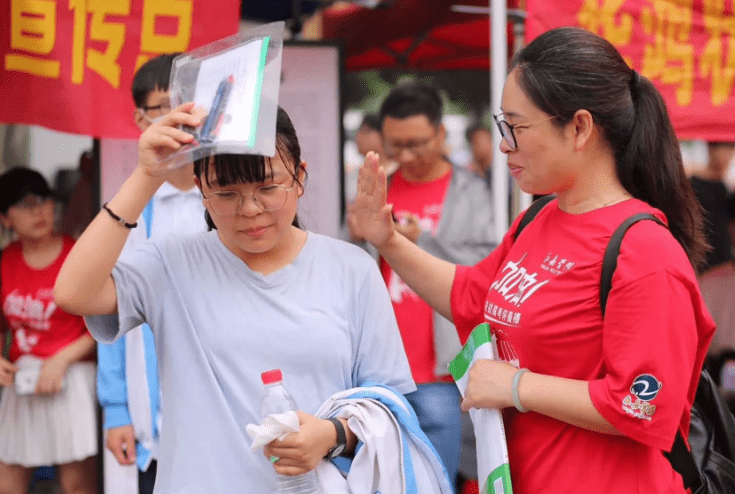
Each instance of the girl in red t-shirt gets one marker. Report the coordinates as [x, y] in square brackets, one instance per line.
[47, 406]
[591, 402]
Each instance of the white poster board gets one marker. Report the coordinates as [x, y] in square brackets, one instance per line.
[311, 95]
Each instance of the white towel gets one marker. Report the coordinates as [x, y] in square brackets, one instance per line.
[139, 401]
[395, 456]
[274, 426]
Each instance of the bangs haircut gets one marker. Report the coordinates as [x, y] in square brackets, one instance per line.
[17, 183]
[230, 169]
[250, 168]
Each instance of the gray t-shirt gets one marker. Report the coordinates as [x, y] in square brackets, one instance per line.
[325, 320]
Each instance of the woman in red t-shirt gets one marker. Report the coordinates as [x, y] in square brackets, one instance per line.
[47, 406]
[590, 401]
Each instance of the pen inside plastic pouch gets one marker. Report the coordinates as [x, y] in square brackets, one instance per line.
[213, 122]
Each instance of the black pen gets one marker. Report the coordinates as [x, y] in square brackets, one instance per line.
[218, 107]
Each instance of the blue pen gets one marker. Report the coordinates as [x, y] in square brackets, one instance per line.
[218, 108]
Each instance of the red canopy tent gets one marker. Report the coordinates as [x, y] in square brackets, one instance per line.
[414, 34]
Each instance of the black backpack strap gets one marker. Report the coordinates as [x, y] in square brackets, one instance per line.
[531, 213]
[610, 261]
[683, 462]
[680, 457]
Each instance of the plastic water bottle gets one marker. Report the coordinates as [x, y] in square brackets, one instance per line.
[278, 400]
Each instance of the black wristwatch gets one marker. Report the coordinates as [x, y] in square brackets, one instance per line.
[338, 448]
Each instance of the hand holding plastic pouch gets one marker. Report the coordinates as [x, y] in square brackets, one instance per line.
[165, 137]
[492, 451]
[235, 81]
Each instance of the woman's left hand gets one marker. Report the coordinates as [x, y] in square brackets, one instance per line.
[300, 452]
[51, 377]
[373, 216]
[489, 385]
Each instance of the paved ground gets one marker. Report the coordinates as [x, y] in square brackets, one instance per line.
[45, 487]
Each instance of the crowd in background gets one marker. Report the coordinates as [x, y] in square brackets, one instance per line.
[440, 207]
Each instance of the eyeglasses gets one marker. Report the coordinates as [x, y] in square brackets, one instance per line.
[506, 129]
[31, 202]
[267, 197]
[163, 108]
[416, 147]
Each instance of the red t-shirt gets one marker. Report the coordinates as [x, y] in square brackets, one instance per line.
[541, 295]
[414, 316]
[39, 327]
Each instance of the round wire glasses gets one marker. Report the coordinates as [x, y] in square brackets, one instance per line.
[269, 197]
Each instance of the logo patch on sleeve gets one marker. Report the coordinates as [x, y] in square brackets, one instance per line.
[644, 388]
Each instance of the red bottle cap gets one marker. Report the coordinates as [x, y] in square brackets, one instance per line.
[271, 376]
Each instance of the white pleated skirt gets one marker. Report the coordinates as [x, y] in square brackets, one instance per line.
[38, 430]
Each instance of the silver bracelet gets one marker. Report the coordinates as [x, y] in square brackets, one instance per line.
[514, 390]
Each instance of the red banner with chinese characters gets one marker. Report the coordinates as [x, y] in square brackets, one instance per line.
[685, 47]
[69, 64]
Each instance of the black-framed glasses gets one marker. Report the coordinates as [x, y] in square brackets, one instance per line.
[270, 197]
[506, 129]
[416, 147]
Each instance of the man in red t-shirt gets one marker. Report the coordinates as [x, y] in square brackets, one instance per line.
[445, 210]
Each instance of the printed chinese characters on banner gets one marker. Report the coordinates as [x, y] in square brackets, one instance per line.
[685, 47]
[71, 62]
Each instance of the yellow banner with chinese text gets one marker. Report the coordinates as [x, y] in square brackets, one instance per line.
[69, 64]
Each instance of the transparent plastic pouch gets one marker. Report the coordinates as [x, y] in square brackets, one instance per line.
[237, 80]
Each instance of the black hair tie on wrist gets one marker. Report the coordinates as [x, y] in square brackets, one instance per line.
[118, 219]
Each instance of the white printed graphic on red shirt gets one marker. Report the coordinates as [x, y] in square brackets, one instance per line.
[556, 265]
[495, 313]
[26, 342]
[27, 314]
[517, 284]
[506, 352]
[398, 289]
[427, 222]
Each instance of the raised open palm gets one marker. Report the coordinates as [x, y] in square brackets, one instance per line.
[372, 213]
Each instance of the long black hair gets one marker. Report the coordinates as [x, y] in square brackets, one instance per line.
[569, 69]
[249, 168]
